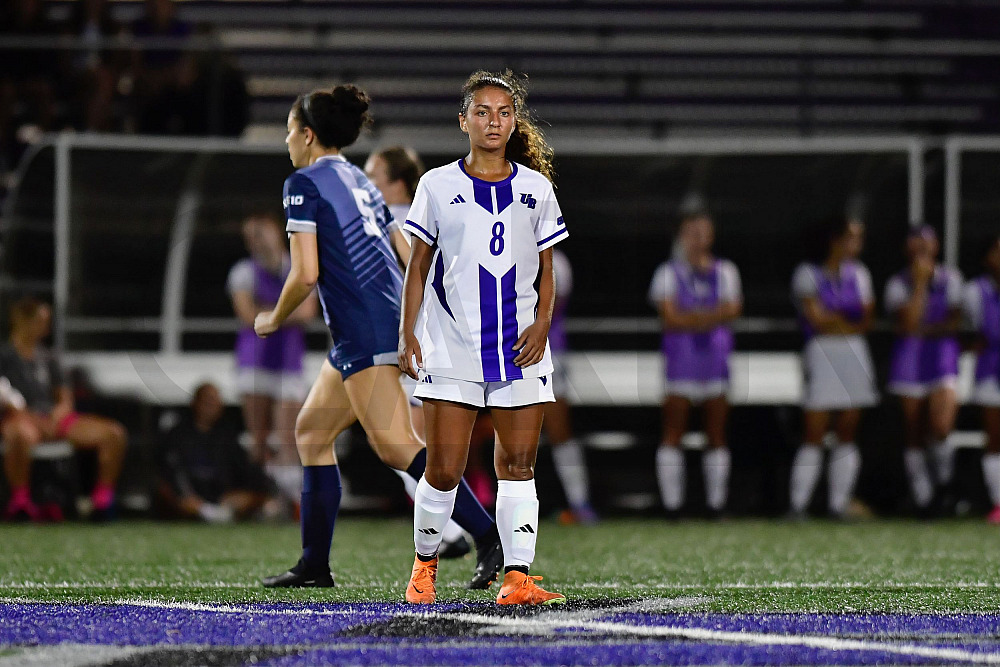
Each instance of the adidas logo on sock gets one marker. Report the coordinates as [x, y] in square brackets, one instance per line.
[427, 531]
[525, 529]
[459, 199]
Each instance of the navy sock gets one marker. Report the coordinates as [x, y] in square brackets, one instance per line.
[321, 493]
[468, 513]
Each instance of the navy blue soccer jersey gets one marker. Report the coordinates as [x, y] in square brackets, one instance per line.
[360, 281]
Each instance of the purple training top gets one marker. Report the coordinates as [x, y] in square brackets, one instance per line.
[283, 350]
[564, 287]
[987, 321]
[698, 356]
[922, 359]
[845, 295]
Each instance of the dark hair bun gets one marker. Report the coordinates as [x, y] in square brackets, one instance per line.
[336, 116]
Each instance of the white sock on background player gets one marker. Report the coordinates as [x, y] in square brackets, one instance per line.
[842, 470]
[452, 531]
[431, 512]
[915, 462]
[991, 475]
[715, 466]
[944, 458]
[670, 475]
[517, 521]
[806, 469]
[571, 468]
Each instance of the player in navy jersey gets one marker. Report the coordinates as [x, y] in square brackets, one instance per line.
[483, 228]
[340, 231]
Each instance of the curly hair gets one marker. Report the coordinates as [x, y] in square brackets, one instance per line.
[527, 144]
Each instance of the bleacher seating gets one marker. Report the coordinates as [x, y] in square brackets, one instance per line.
[816, 66]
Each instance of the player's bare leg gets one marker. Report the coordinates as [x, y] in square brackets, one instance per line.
[109, 439]
[257, 417]
[518, 430]
[20, 435]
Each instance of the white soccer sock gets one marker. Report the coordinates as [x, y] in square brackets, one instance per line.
[431, 511]
[843, 469]
[452, 531]
[944, 459]
[670, 474]
[806, 469]
[715, 466]
[991, 474]
[517, 521]
[915, 462]
[571, 467]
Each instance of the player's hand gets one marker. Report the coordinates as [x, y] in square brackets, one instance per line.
[408, 353]
[263, 324]
[531, 344]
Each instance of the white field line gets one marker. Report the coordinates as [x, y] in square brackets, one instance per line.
[545, 627]
[69, 655]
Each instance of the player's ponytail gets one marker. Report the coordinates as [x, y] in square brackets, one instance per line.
[335, 116]
[527, 144]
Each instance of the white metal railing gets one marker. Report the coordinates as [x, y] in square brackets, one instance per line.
[172, 324]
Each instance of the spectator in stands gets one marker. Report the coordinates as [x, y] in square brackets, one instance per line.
[697, 295]
[836, 304]
[160, 74]
[269, 370]
[32, 79]
[925, 302]
[48, 414]
[97, 68]
[204, 473]
[982, 307]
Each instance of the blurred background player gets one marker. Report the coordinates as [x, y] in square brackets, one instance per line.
[482, 341]
[342, 243]
[982, 306]
[696, 295]
[204, 472]
[833, 294]
[925, 302]
[567, 452]
[49, 414]
[395, 171]
[269, 370]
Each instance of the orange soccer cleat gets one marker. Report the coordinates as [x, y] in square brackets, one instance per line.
[421, 589]
[520, 588]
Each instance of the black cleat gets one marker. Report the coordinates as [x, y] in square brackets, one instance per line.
[298, 577]
[489, 564]
[454, 549]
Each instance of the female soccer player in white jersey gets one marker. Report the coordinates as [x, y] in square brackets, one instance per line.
[474, 330]
[340, 243]
[836, 307]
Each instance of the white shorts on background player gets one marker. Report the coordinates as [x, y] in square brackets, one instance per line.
[696, 391]
[986, 393]
[508, 394]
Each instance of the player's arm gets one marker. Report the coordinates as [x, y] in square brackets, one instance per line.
[675, 319]
[298, 285]
[413, 298]
[828, 322]
[530, 344]
[401, 246]
[307, 311]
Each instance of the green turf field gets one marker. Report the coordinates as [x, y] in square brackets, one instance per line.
[729, 566]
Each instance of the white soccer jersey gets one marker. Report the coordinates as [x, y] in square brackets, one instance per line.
[480, 294]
